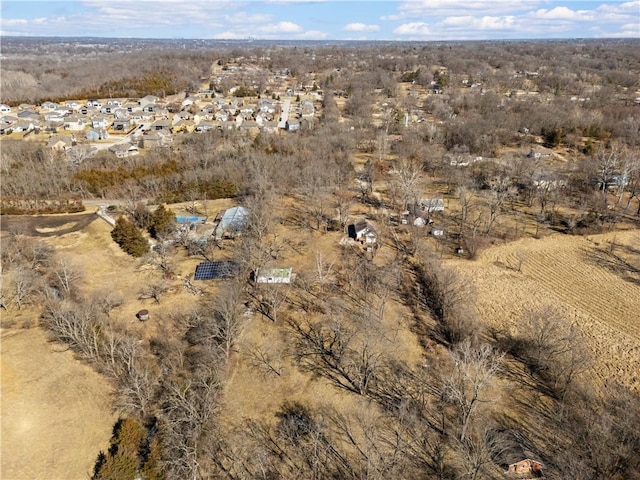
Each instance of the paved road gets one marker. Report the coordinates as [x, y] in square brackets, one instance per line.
[284, 116]
[126, 139]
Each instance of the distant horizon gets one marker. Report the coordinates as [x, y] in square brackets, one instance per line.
[323, 20]
[325, 40]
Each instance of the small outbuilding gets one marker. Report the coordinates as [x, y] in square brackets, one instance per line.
[363, 232]
[273, 275]
[231, 223]
[526, 468]
[432, 204]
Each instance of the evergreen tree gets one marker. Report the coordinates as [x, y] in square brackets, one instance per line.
[122, 461]
[129, 237]
[163, 222]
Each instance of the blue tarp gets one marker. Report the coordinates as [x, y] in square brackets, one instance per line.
[185, 219]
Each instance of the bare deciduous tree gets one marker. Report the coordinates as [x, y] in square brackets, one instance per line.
[67, 275]
[26, 283]
[466, 387]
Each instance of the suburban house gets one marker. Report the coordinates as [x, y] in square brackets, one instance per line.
[182, 115]
[222, 116]
[54, 116]
[121, 114]
[265, 105]
[224, 125]
[201, 115]
[28, 115]
[121, 125]
[5, 108]
[307, 109]
[75, 123]
[292, 125]
[100, 121]
[270, 126]
[60, 143]
[131, 107]
[73, 105]
[218, 102]
[96, 134]
[123, 150]
[205, 126]
[156, 139]
[526, 468]
[273, 275]
[149, 99]
[48, 106]
[249, 125]
[363, 232]
[23, 126]
[150, 108]
[161, 125]
[189, 101]
[183, 126]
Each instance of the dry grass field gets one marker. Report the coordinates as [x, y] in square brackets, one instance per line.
[594, 281]
[56, 411]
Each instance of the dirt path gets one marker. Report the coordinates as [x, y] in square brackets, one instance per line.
[56, 413]
[46, 225]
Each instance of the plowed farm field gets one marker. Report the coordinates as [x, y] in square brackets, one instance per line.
[593, 281]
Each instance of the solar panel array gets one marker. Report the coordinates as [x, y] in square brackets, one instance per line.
[214, 270]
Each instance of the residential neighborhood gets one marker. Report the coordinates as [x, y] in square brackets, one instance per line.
[122, 125]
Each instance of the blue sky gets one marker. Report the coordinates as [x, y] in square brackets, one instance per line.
[323, 19]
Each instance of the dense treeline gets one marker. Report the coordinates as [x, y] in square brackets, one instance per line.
[59, 76]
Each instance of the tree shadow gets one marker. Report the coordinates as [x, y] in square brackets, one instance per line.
[616, 264]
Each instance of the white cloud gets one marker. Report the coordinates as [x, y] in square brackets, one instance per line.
[360, 27]
[15, 21]
[289, 2]
[563, 13]
[177, 12]
[244, 17]
[287, 27]
[272, 29]
[469, 23]
[312, 35]
[413, 29]
[229, 36]
[439, 8]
